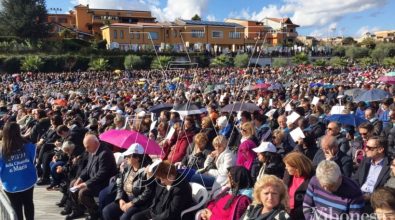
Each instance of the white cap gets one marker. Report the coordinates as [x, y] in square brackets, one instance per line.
[135, 148]
[107, 107]
[141, 114]
[119, 111]
[114, 108]
[222, 121]
[265, 147]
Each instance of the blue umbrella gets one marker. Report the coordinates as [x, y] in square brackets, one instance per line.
[171, 87]
[372, 96]
[238, 106]
[346, 119]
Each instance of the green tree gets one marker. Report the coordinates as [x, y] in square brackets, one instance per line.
[389, 62]
[160, 62]
[32, 63]
[24, 18]
[196, 17]
[339, 51]
[320, 62]
[356, 52]
[241, 60]
[378, 54]
[222, 61]
[133, 62]
[368, 43]
[365, 62]
[98, 64]
[300, 58]
[348, 41]
[337, 62]
[65, 33]
[279, 62]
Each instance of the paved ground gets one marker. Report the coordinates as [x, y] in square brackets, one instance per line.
[44, 202]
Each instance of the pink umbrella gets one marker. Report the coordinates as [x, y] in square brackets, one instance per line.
[124, 138]
[262, 86]
[387, 79]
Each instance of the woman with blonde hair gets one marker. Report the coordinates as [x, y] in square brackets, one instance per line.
[270, 200]
[298, 172]
[245, 154]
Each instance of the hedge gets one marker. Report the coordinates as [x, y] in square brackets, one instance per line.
[67, 62]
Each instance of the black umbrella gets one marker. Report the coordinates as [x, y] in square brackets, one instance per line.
[189, 109]
[158, 108]
[238, 106]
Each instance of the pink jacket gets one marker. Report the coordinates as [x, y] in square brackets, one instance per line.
[245, 154]
[234, 212]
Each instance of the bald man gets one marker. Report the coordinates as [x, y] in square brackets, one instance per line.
[330, 151]
[95, 177]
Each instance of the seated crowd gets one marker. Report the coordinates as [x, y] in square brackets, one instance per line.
[252, 166]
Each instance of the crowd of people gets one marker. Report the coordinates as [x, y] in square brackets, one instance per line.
[261, 141]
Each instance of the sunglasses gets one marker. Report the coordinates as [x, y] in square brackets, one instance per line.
[370, 148]
[363, 134]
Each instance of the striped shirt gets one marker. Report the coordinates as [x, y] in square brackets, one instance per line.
[346, 203]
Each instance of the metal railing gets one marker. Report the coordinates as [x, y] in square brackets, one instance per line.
[6, 211]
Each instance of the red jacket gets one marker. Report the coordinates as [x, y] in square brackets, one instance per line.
[179, 149]
[234, 212]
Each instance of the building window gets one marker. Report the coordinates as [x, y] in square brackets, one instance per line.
[137, 35]
[121, 34]
[217, 34]
[63, 20]
[153, 36]
[115, 34]
[167, 33]
[131, 35]
[175, 33]
[197, 33]
[291, 30]
[234, 35]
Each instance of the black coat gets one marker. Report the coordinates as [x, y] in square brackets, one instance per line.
[344, 161]
[389, 132]
[143, 189]
[253, 212]
[363, 171]
[168, 204]
[100, 168]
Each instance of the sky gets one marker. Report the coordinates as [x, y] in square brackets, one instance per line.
[318, 18]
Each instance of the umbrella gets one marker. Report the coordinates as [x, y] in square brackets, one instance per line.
[390, 73]
[171, 87]
[117, 71]
[372, 96]
[249, 88]
[124, 138]
[315, 84]
[238, 106]
[346, 119]
[158, 108]
[61, 102]
[219, 87]
[209, 89]
[189, 109]
[262, 86]
[275, 86]
[387, 79]
[194, 86]
[176, 79]
[329, 86]
[354, 92]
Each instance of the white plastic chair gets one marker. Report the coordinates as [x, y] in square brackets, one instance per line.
[200, 197]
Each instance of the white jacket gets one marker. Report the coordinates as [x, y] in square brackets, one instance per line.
[225, 160]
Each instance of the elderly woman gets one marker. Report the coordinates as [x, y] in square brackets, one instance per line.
[173, 195]
[232, 202]
[216, 165]
[134, 190]
[270, 200]
[278, 139]
[245, 154]
[299, 170]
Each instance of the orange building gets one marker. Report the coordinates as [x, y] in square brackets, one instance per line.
[89, 20]
[176, 36]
